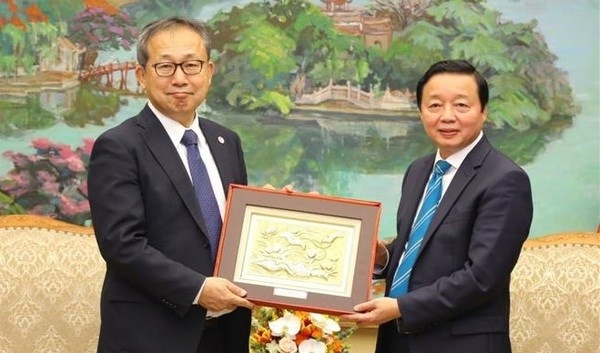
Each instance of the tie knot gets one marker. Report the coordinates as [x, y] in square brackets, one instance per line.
[441, 167]
[189, 138]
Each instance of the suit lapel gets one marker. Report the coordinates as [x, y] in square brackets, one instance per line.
[159, 143]
[416, 180]
[217, 144]
[462, 178]
[417, 183]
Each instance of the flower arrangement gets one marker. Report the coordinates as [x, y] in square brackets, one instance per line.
[292, 331]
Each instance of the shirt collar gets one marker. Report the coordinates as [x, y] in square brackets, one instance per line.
[456, 158]
[175, 130]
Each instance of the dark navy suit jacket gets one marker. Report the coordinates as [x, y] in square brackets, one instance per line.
[458, 299]
[150, 231]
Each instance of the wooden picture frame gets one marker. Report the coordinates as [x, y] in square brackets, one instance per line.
[299, 250]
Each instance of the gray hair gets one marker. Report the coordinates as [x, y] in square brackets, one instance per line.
[160, 25]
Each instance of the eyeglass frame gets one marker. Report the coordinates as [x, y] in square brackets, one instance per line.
[180, 64]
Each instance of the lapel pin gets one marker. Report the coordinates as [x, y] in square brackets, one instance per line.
[221, 139]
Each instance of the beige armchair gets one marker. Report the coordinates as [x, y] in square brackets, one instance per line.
[50, 279]
[51, 275]
[555, 295]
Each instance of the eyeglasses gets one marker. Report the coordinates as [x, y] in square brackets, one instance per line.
[167, 68]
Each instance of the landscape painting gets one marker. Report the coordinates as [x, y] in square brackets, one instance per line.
[322, 93]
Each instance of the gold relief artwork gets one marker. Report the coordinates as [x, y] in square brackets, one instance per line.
[300, 251]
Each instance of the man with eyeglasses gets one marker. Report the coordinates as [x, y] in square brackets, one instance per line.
[148, 212]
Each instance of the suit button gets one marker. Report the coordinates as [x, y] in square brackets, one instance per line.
[206, 245]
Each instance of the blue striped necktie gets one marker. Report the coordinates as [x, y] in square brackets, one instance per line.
[204, 192]
[431, 200]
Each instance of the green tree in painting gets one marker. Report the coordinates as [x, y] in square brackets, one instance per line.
[266, 49]
[535, 69]
[21, 46]
[324, 54]
[253, 70]
[401, 13]
[526, 87]
[146, 11]
[411, 53]
[12, 41]
[26, 32]
[271, 51]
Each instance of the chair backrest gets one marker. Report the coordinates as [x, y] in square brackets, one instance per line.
[51, 275]
[555, 295]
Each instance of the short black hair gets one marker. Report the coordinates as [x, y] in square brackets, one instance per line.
[456, 67]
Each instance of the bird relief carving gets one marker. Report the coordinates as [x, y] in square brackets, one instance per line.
[299, 253]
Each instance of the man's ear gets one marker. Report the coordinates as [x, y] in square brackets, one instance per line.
[139, 75]
[210, 66]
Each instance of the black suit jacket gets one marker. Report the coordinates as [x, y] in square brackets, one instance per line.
[150, 231]
[458, 299]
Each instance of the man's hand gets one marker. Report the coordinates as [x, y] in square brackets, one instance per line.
[374, 312]
[220, 294]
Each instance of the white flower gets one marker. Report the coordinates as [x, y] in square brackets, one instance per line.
[287, 345]
[325, 323]
[312, 346]
[272, 347]
[288, 325]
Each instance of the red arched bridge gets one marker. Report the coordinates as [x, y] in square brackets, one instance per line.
[106, 73]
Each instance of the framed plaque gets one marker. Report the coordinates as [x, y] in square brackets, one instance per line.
[299, 250]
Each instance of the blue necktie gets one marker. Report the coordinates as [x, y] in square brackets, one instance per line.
[204, 192]
[433, 194]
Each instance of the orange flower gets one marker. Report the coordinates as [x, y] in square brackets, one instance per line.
[262, 336]
[15, 21]
[309, 329]
[303, 315]
[301, 337]
[35, 14]
[316, 332]
[102, 4]
[336, 346]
